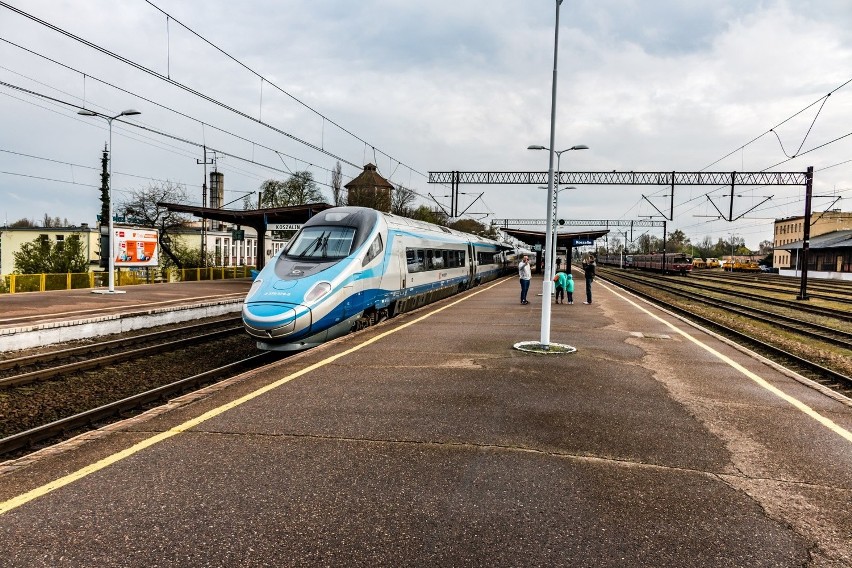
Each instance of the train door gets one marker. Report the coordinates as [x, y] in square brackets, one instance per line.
[471, 266]
[402, 266]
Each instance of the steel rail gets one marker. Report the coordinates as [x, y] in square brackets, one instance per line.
[782, 288]
[49, 373]
[59, 427]
[815, 331]
[804, 307]
[814, 368]
[86, 350]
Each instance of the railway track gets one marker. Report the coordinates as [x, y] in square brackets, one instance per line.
[49, 365]
[80, 420]
[837, 337]
[652, 289]
[679, 282]
[51, 395]
[831, 293]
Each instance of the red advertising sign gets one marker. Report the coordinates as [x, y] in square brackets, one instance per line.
[136, 247]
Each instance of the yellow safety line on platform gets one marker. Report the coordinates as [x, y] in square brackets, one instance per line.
[24, 498]
[796, 403]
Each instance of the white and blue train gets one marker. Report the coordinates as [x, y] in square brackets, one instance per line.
[350, 267]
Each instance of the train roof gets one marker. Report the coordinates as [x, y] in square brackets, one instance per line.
[431, 227]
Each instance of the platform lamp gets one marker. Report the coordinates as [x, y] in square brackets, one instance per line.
[111, 277]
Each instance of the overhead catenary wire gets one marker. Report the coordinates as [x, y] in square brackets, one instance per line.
[173, 82]
[173, 136]
[165, 107]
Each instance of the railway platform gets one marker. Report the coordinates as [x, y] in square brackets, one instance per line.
[34, 319]
[429, 440]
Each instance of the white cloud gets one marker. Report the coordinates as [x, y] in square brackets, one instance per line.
[661, 84]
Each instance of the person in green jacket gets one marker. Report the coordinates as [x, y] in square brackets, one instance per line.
[569, 287]
[561, 280]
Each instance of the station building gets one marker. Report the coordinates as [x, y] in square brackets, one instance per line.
[12, 239]
[224, 249]
[829, 256]
[792, 230]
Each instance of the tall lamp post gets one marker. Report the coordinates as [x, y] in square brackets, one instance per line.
[111, 278]
[556, 186]
[552, 249]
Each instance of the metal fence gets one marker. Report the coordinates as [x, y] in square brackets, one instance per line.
[16, 283]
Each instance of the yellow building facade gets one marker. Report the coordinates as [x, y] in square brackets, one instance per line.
[792, 229]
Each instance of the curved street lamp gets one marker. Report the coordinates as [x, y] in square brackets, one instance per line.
[111, 278]
[555, 203]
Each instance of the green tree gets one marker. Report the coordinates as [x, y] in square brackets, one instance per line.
[475, 228]
[43, 256]
[184, 256]
[704, 249]
[435, 216]
[21, 223]
[677, 242]
[647, 244]
[299, 189]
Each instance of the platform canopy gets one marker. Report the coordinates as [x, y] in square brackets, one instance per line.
[257, 219]
[563, 239]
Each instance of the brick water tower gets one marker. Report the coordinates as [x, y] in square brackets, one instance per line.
[370, 189]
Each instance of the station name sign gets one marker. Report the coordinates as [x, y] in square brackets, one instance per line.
[283, 226]
[582, 242]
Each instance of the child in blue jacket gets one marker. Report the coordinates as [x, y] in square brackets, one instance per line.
[569, 287]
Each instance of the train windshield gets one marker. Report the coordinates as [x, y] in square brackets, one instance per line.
[322, 243]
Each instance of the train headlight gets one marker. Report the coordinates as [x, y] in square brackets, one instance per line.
[317, 291]
[255, 286]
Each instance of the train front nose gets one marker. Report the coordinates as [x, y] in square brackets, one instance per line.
[275, 320]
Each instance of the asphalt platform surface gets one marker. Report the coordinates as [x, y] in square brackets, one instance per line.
[429, 440]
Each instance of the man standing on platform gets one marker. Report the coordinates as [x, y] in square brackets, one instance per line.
[589, 269]
[525, 274]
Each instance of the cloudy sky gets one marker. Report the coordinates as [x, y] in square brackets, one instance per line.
[414, 87]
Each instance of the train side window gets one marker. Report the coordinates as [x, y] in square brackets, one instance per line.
[437, 260]
[375, 250]
[412, 262]
[421, 260]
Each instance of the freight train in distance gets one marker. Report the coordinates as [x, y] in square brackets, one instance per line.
[350, 267]
[675, 262]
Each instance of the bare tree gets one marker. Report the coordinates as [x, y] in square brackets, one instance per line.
[336, 184]
[143, 206]
[49, 221]
[401, 200]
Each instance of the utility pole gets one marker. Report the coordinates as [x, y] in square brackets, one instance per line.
[104, 225]
[806, 238]
[205, 162]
